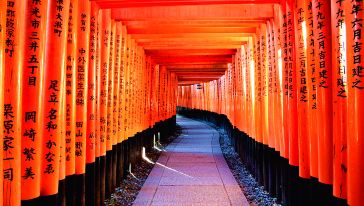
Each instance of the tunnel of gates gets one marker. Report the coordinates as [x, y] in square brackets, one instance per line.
[292, 102]
[81, 98]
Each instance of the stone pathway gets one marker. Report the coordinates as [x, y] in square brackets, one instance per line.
[192, 171]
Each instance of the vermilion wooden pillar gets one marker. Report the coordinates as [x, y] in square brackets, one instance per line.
[312, 74]
[61, 196]
[118, 162]
[3, 8]
[339, 85]
[12, 107]
[109, 136]
[302, 88]
[259, 103]
[92, 137]
[70, 101]
[82, 61]
[264, 80]
[71, 88]
[126, 87]
[123, 82]
[105, 27]
[54, 72]
[244, 93]
[110, 124]
[355, 95]
[270, 85]
[117, 83]
[285, 66]
[33, 74]
[291, 86]
[322, 32]
[104, 42]
[248, 90]
[95, 16]
[92, 87]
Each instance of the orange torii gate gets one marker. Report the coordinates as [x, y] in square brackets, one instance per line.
[86, 84]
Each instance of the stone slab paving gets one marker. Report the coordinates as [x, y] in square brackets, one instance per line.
[192, 171]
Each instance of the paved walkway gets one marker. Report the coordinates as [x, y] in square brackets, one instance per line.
[192, 171]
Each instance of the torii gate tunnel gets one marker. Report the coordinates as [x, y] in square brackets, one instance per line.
[86, 84]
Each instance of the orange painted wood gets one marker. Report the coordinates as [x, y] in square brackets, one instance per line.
[3, 8]
[312, 74]
[194, 23]
[264, 80]
[91, 133]
[259, 101]
[104, 42]
[110, 97]
[154, 91]
[62, 153]
[276, 81]
[322, 25]
[71, 64]
[12, 113]
[98, 81]
[302, 88]
[247, 11]
[190, 52]
[83, 44]
[117, 84]
[339, 88]
[244, 72]
[291, 87]
[250, 76]
[127, 86]
[192, 35]
[355, 98]
[123, 4]
[32, 126]
[54, 71]
[123, 81]
[286, 55]
[270, 87]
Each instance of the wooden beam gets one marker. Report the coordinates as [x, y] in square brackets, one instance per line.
[190, 52]
[198, 80]
[199, 77]
[194, 23]
[178, 30]
[196, 66]
[192, 63]
[199, 74]
[205, 12]
[127, 4]
[187, 83]
[184, 71]
[193, 47]
[198, 40]
[189, 35]
[192, 59]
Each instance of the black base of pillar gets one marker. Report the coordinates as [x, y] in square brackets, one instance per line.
[102, 188]
[90, 184]
[97, 181]
[108, 177]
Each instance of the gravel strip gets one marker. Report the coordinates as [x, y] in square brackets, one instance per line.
[130, 187]
[255, 193]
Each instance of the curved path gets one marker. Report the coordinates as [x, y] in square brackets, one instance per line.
[192, 171]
